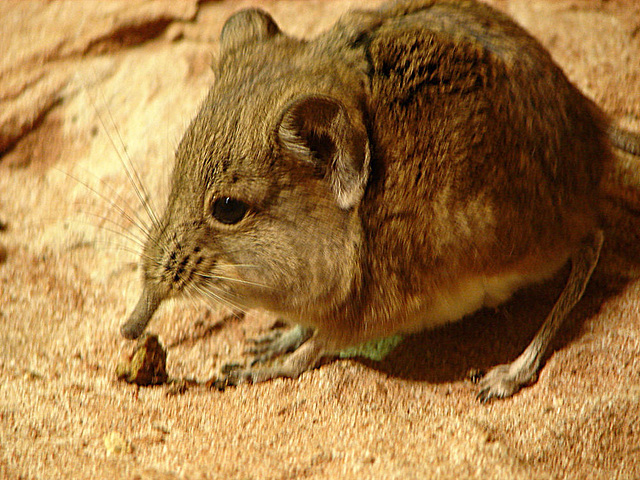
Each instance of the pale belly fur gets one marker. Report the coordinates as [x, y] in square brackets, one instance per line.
[471, 294]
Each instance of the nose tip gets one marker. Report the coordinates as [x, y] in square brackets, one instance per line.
[132, 329]
[141, 315]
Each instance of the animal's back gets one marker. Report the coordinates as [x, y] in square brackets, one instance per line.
[486, 161]
[469, 110]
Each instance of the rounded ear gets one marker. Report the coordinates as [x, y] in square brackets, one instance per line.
[320, 130]
[245, 26]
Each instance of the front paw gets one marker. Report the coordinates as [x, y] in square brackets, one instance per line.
[231, 375]
[278, 343]
[239, 376]
[267, 344]
[305, 357]
[234, 375]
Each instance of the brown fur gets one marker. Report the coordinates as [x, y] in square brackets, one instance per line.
[401, 158]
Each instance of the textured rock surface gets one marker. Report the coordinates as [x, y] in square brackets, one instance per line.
[89, 88]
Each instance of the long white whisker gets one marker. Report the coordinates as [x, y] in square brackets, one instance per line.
[194, 299]
[116, 246]
[138, 220]
[138, 184]
[208, 293]
[132, 176]
[143, 228]
[122, 233]
[237, 280]
[212, 297]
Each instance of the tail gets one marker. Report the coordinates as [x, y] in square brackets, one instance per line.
[622, 181]
[624, 140]
[620, 207]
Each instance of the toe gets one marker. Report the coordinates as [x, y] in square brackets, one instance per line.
[499, 382]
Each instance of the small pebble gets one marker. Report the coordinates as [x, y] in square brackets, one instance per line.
[147, 364]
[116, 444]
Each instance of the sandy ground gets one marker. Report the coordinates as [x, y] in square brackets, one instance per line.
[87, 86]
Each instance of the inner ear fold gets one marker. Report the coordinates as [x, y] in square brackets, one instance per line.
[321, 130]
[246, 26]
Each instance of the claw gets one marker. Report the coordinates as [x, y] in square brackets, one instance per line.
[266, 339]
[485, 395]
[475, 375]
[227, 368]
[263, 344]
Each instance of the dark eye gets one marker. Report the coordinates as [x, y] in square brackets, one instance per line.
[228, 210]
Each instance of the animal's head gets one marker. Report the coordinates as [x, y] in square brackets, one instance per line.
[263, 209]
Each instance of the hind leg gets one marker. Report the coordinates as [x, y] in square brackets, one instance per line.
[505, 380]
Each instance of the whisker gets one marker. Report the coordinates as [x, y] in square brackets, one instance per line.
[138, 185]
[143, 228]
[129, 169]
[114, 246]
[237, 280]
[197, 293]
[191, 298]
[210, 297]
[138, 220]
[209, 294]
[122, 233]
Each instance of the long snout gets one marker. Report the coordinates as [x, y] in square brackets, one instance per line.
[141, 315]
